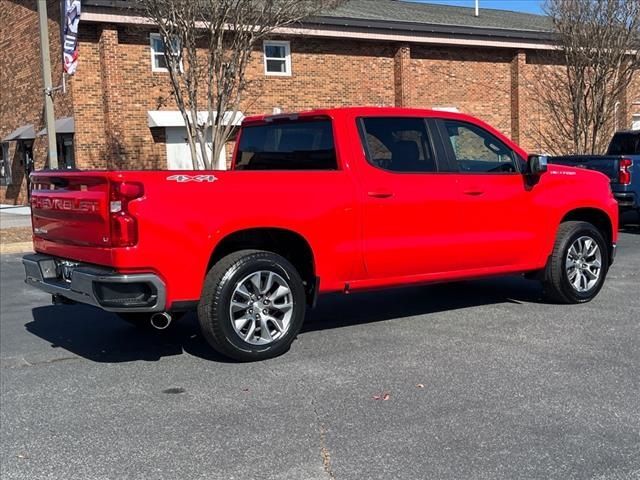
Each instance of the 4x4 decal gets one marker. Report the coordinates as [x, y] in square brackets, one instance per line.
[192, 178]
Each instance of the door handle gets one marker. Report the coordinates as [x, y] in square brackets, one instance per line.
[380, 194]
[473, 193]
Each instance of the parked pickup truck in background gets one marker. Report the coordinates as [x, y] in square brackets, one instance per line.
[334, 200]
[621, 164]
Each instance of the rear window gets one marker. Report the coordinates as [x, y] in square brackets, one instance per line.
[625, 144]
[291, 145]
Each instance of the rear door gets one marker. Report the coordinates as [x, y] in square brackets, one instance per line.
[410, 226]
[496, 204]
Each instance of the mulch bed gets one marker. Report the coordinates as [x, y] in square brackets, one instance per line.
[15, 235]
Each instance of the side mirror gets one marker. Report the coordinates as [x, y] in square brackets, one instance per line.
[537, 164]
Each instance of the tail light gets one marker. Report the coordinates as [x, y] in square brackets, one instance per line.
[624, 173]
[124, 227]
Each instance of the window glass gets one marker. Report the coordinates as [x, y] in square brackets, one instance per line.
[291, 145]
[274, 51]
[277, 58]
[627, 143]
[478, 151]
[5, 165]
[398, 144]
[158, 57]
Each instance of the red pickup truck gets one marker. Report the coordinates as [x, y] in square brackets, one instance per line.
[334, 200]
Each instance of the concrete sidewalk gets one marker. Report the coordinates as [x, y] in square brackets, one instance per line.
[15, 229]
[15, 209]
[12, 220]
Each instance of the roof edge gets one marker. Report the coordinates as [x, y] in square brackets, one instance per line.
[438, 28]
[389, 25]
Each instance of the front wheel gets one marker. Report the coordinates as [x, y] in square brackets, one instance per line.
[578, 265]
[252, 305]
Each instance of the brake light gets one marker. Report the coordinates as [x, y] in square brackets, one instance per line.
[124, 227]
[624, 173]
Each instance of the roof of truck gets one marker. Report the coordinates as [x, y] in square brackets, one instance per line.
[360, 111]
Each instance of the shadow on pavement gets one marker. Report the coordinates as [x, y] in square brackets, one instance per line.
[631, 228]
[103, 337]
[335, 311]
[630, 222]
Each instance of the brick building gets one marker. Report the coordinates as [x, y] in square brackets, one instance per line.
[117, 111]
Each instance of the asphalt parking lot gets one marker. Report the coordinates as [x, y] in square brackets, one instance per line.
[472, 380]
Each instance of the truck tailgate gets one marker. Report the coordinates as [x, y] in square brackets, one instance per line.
[71, 208]
[607, 164]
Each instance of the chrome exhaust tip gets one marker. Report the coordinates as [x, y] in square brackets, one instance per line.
[161, 321]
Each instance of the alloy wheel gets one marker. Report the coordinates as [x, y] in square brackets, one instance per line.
[261, 307]
[583, 264]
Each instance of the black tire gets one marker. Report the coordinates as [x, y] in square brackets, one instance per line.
[213, 308]
[558, 288]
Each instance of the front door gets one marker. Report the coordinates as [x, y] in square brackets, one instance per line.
[496, 203]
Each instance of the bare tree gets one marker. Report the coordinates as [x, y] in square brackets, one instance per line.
[599, 55]
[208, 45]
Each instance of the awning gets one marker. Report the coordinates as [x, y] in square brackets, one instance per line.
[173, 118]
[446, 109]
[63, 125]
[25, 132]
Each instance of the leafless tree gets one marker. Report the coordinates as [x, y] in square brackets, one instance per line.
[208, 45]
[598, 57]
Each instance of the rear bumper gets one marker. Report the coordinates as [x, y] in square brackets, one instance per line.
[98, 286]
[626, 200]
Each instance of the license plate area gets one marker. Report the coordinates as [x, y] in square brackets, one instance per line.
[64, 270]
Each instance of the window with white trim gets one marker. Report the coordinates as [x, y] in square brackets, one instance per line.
[158, 56]
[277, 58]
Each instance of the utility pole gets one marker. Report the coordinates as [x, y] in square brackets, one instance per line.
[48, 89]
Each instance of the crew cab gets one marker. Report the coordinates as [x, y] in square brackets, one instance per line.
[621, 164]
[337, 200]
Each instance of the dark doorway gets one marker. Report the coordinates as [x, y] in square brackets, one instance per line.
[25, 147]
[66, 158]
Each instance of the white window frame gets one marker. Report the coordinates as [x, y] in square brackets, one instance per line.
[154, 53]
[287, 57]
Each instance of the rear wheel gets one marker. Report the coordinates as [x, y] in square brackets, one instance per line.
[578, 265]
[252, 305]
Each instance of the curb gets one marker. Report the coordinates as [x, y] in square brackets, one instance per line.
[17, 247]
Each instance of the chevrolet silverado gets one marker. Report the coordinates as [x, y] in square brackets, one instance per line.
[336, 200]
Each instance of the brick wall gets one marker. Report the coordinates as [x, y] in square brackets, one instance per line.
[325, 73]
[475, 81]
[537, 71]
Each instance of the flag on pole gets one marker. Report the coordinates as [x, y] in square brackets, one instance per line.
[71, 19]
